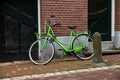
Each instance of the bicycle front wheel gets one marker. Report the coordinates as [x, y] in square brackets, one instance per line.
[82, 46]
[41, 52]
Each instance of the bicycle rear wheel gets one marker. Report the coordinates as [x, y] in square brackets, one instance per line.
[41, 52]
[82, 46]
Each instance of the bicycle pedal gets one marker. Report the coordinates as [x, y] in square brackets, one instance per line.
[70, 54]
[59, 49]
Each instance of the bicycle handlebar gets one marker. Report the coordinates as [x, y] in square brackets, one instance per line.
[56, 24]
[52, 24]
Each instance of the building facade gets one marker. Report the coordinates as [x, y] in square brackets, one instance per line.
[83, 14]
[95, 15]
[117, 14]
[67, 12]
[19, 20]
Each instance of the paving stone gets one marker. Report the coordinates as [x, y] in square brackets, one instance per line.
[103, 73]
[58, 73]
[100, 74]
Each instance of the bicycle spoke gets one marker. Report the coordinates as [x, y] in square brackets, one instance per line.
[41, 56]
[84, 52]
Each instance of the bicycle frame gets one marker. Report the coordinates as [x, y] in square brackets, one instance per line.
[51, 36]
[42, 50]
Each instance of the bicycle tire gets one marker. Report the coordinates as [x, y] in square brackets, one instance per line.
[39, 57]
[85, 49]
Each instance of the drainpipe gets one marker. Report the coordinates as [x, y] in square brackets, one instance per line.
[39, 16]
[113, 18]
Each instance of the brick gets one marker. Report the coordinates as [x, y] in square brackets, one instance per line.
[117, 14]
[67, 12]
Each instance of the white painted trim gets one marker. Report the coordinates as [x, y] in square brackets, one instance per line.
[113, 19]
[39, 16]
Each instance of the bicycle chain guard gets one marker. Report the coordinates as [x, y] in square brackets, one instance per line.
[78, 48]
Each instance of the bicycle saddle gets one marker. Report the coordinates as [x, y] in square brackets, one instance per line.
[71, 27]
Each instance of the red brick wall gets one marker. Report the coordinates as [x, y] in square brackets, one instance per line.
[67, 12]
[117, 15]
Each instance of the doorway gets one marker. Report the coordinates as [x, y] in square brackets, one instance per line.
[99, 18]
[18, 22]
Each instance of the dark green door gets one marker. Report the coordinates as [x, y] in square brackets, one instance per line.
[25, 11]
[99, 18]
[17, 24]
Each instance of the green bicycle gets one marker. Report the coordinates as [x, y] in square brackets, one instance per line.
[42, 50]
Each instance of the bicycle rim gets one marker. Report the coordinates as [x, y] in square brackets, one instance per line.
[86, 52]
[41, 57]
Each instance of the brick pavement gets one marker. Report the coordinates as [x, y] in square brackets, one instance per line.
[112, 74]
[62, 70]
[99, 73]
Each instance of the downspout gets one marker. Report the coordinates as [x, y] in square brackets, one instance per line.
[39, 16]
[113, 18]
